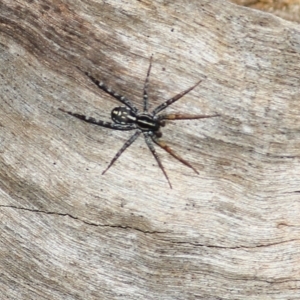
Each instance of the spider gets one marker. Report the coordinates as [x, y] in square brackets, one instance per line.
[129, 118]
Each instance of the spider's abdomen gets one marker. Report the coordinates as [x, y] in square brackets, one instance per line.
[147, 123]
[123, 115]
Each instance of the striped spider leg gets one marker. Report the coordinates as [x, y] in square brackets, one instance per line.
[99, 122]
[129, 118]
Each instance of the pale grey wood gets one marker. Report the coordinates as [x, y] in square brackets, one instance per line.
[67, 232]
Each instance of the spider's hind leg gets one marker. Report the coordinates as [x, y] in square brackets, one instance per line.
[164, 146]
[152, 149]
[179, 116]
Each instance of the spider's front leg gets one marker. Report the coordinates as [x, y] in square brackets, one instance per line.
[111, 92]
[99, 122]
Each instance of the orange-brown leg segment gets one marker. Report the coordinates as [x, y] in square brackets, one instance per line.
[178, 116]
[152, 149]
[164, 146]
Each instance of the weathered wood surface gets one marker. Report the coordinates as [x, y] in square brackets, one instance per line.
[287, 9]
[67, 232]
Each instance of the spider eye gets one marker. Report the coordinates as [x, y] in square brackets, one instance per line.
[123, 115]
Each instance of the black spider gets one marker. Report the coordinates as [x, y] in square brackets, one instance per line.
[129, 118]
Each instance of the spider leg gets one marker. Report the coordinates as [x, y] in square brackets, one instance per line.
[179, 116]
[111, 92]
[173, 99]
[164, 146]
[152, 149]
[145, 94]
[101, 123]
[124, 147]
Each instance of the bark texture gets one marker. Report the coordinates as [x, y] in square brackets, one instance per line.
[69, 232]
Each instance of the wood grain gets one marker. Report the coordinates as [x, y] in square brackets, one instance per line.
[67, 232]
[286, 9]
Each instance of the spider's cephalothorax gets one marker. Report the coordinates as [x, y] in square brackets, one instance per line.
[129, 118]
[144, 121]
